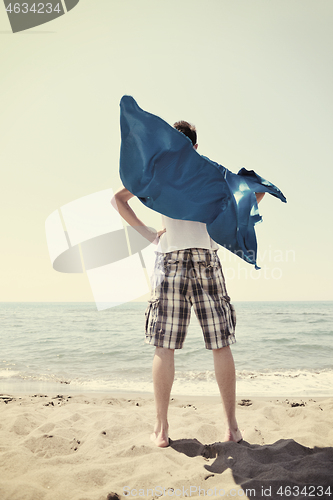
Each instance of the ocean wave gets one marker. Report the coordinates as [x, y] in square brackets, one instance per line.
[8, 374]
[248, 374]
[299, 383]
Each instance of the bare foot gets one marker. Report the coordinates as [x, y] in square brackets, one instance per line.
[160, 438]
[233, 435]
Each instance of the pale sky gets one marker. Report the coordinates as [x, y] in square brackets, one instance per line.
[254, 76]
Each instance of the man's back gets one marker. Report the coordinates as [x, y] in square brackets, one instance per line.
[182, 234]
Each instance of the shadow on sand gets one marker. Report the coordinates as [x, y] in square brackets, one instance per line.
[277, 471]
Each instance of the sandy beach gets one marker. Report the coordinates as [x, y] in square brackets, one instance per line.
[97, 447]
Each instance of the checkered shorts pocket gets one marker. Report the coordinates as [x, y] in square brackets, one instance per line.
[233, 314]
[170, 267]
[210, 270]
[229, 311]
[151, 314]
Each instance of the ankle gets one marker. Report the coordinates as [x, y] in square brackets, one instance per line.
[161, 425]
[231, 424]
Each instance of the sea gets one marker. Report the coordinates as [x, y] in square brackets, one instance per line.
[283, 349]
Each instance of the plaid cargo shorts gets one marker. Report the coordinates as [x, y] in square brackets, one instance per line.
[182, 279]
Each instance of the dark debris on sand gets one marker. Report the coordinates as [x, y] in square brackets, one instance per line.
[245, 402]
[113, 496]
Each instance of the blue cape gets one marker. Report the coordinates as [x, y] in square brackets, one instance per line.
[159, 165]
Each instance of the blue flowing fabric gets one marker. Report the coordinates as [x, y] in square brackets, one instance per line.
[159, 165]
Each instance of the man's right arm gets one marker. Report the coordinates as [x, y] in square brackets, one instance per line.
[120, 203]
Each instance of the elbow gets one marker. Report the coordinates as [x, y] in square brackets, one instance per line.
[120, 199]
[114, 202]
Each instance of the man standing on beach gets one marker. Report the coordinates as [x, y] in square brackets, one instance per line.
[191, 271]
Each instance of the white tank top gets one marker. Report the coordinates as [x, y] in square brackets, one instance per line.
[181, 234]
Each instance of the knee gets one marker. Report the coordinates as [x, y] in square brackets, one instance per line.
[221, 349]
[164, 352]
[222, 352]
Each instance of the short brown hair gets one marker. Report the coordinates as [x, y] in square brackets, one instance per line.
[187, 129]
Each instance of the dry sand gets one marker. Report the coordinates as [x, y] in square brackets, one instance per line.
[95, 447]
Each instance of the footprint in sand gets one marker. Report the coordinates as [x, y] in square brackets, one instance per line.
[48, 446]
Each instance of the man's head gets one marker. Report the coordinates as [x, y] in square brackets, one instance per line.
[188, 130]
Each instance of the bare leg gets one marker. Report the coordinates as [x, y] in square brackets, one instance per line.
[163, 375]
[226, 378]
